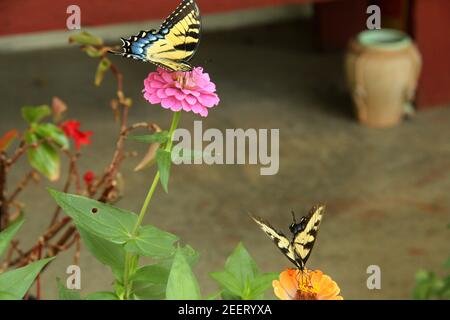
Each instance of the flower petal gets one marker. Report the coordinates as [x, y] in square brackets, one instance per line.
[279, 291]
[191, 100]
[208, 100]
[161, 93]
[168, 102]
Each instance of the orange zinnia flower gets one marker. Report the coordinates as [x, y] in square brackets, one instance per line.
[305, 285]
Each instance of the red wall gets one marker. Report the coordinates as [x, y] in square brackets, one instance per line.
[431, 27]
[21, 16]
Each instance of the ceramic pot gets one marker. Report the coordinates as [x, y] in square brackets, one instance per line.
[383, 68]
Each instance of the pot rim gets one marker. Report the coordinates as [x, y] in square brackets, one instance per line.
[386, 39]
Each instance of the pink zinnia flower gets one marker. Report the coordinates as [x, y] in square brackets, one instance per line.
[188, 91]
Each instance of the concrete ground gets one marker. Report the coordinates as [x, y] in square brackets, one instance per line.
[387, 191]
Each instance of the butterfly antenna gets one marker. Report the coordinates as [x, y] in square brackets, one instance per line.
[293, 216]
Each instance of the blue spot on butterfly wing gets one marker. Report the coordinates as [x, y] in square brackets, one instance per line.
[136, 50]
[151, 37]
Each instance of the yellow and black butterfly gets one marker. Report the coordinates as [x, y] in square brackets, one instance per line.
[304, 232]
[173, 45]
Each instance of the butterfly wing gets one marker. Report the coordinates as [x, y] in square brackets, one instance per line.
[304, 239]
[173, 45]
[278, 238]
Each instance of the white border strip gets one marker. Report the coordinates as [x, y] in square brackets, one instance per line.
[111, 33]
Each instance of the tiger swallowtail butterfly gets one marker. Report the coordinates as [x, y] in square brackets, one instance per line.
[173, 45]
[304, 232]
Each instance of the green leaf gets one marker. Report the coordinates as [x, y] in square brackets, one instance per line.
[182, 284]
[153, 273]
[227, 295]
[8, 234]
[229, 282]
[105, 221]
[241, 264]
[49, 130]
[425, 282]
[66, 294]
[108, 253]
[164, 161]
[18, 281]
[261, 284]
[86, 39]
[148, 291]
[33, 114]
[102, 68]
[44, 158]
[213, 296]
[149, 282]
[8, 296]
[152, 242]
[102, 295]
[159, 137]
[189, 254]
[188, 155]
[241, 277]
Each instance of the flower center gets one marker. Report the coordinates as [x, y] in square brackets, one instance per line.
[305, 289]
[185, 80]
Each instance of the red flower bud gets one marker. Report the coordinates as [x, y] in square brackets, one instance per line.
[89, 178]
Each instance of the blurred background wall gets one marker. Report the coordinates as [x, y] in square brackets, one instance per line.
[428, 21]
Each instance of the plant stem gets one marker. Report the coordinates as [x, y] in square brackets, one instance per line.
[173, 126]
[146, 202]
[130, 259]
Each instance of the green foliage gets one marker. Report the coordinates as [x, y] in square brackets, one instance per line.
[67, 294]
[105, 221]
[102, 295]
[163, 160]
[182, 284]
[429, 286]
[187, 154]
[7, 296]
[44, 157]
[8, 234]
[45, 140]
[51, 132]
[150, 281]
[85, 38]
[102, 68]
[241, 278]
[34, 114]
[16, 283]
[159, 137]
[106, 252]
[152, 242]
[107, 232]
